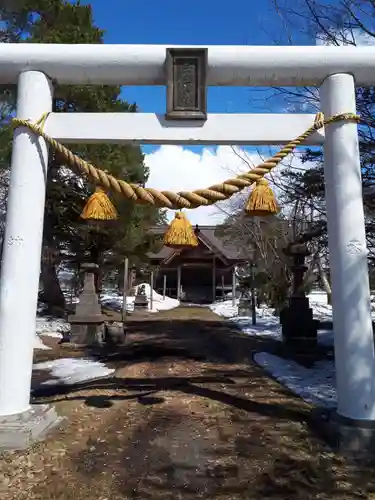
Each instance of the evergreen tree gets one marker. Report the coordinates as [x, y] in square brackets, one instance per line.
[65, 235]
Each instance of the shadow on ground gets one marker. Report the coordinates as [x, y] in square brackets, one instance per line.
[201, 421]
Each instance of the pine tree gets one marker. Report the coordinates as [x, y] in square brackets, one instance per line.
[65, 235]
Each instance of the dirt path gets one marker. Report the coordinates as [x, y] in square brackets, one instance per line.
[186, 415]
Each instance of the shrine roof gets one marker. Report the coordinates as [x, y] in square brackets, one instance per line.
[208, 235]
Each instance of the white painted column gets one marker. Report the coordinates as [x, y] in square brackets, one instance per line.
[354, 344]
[22, 247]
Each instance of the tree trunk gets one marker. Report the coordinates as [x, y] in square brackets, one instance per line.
[52, 294]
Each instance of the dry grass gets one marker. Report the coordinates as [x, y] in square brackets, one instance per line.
[186, 415]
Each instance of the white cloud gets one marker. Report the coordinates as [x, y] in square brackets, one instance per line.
[174, 168]
[346, 37]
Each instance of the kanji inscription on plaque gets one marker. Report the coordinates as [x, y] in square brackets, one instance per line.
[186, 84]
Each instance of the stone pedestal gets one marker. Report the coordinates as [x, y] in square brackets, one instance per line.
[299, 329]
[87, 324]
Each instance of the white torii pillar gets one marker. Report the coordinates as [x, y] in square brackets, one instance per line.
[354, 342]
[354, 348]
[20, 268]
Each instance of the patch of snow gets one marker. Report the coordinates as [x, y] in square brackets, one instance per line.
[318, 302]
[315, 385]
[65, 275]
[321, 309]
[38, 344]
[318, 297]
[158, 303]
[115, 301]
[225, 308]
[58, 328]
[193, 304]
[52, 327]
[73, 370]
[268, 325]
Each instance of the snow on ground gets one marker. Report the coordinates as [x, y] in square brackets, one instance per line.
[57, 328]
[158, 304]
[224, 308]
[318, 302]
[51, 327]
[73, 370]
[267, 324]
[38, 344]
[114, 301]
[316, 384]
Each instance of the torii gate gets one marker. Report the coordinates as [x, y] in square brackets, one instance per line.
[335, 70]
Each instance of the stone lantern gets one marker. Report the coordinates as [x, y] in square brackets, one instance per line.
[299, 329]
[246, 280]
[87, 323]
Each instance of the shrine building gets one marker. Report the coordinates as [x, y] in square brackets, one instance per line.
[201, 274]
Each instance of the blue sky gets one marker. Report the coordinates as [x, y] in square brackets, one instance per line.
[196, 22]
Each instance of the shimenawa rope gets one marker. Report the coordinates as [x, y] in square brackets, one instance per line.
[182, 199]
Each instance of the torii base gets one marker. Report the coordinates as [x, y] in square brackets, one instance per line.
[20, 431]
[352, 438]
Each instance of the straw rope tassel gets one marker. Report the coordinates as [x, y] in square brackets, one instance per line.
[180, 233]
[99, 207]
[262, 200]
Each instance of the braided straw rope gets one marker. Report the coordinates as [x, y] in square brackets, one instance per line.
[182, 199]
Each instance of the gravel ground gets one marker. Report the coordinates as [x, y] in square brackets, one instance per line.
[186, 415]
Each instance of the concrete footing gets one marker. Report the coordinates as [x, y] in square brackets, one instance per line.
[19, 432]
[352, 438]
